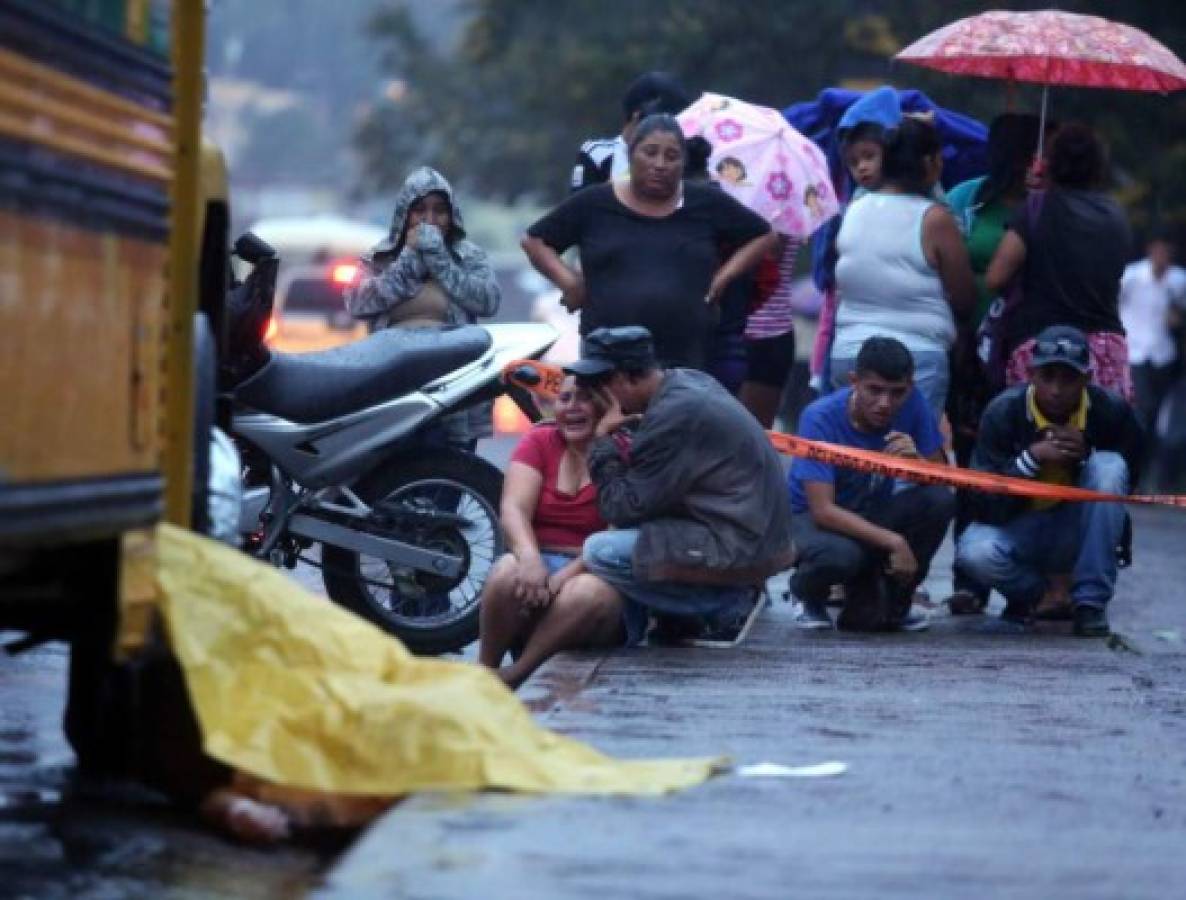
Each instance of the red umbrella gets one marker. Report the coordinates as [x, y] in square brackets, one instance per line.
[1050, 47]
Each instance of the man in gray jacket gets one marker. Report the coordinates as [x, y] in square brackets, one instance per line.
[694, 491]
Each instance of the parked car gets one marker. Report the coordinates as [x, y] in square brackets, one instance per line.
[320, 255]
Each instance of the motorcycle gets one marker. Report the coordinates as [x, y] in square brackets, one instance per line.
[342, 450]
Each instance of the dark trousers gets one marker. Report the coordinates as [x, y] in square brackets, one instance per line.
[1152, 385]
[1172, 471]
[920, 514]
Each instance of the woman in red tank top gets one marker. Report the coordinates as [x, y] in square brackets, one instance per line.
[549, 507]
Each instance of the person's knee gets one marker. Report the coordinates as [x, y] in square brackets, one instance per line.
[603, 551]
[835, 560]
[595, 551]
[1105, 471]
[500, 584]
[985, 559]
[590, 599]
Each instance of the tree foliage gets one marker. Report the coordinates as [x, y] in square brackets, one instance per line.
[503, 109]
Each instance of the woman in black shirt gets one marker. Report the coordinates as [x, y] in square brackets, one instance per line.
[1068, 248]
[650, 247]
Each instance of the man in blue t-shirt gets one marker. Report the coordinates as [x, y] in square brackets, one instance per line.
[865, 531]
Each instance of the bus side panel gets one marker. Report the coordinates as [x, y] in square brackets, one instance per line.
[80, 328]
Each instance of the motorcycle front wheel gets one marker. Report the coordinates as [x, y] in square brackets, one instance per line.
[448, 502]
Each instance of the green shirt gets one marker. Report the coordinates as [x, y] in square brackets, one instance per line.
[983, 227]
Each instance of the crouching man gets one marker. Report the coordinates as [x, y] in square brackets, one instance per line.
[861, 530]
[1057, 429]
[693, 492]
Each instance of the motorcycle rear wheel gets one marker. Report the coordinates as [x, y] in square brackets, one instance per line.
[428, 613]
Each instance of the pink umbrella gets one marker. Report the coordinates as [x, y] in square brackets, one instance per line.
[1050, 47]
[764, 162]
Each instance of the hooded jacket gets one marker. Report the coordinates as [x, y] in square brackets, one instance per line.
[397, 272]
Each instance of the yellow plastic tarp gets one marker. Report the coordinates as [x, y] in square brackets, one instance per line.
[293, 690]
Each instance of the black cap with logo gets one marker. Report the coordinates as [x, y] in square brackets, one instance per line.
[608, 349]
[1062, 345]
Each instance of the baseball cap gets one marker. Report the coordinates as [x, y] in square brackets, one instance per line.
[607, 349]
[1063, 345]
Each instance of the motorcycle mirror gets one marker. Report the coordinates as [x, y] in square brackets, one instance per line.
[525, 375]
[252, 249]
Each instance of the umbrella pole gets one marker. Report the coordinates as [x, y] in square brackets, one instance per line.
[1042, 120]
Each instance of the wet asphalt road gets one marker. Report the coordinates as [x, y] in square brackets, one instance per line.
[1037, 766]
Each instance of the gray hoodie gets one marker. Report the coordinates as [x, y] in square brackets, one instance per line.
[396, 272]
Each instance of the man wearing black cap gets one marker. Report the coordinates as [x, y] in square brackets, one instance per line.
[693, 490]
[1059, 429]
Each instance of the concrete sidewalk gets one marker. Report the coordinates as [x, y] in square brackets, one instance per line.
[1036, 766]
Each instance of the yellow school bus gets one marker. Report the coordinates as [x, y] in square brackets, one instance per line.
[106, 204]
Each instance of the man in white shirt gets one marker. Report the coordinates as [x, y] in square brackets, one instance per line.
[1152, 305]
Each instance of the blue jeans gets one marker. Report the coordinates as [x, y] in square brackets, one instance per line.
[610, 556]
[932, 376]
[1016, 557]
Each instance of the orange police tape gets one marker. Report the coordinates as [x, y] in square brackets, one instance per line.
[544, 379]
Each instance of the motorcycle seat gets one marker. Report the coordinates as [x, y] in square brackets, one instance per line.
[325, 384]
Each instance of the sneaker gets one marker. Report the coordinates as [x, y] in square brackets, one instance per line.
[922, 597]
[1091, 621]
[812, 616]
[729, 629]
[914, 622]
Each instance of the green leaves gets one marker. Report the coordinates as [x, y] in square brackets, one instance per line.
[504, 108]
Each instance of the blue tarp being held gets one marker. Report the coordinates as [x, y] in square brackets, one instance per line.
[965, 151]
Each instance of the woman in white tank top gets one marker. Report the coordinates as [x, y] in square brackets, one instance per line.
[903, 268]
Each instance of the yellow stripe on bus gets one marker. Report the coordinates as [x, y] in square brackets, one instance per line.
[16, 67]
[23, 130]
[131, 132]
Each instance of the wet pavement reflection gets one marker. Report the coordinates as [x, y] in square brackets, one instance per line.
[61, 839]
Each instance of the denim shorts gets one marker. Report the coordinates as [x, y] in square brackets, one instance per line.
[554, 562]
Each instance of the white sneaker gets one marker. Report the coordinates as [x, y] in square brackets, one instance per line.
[914, 622]
[812, 617]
